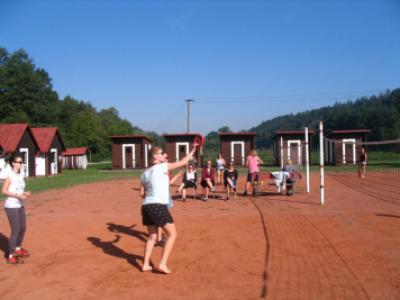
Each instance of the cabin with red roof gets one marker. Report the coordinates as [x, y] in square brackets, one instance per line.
[18, 138]
[75, 158]
[51, 146]
[290, 145]
[130, 151]
[2, 161]
[344, 146]
[235, 147]
[178, 145]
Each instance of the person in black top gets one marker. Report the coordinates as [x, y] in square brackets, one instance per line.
[362, 166]
[230, 179]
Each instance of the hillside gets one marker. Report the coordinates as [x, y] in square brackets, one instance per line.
[379, 113]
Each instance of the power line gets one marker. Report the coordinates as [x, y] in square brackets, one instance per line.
[291, 97]
[173, 114]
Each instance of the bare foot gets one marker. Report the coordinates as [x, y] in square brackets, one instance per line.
[147, 268]
[164, 269]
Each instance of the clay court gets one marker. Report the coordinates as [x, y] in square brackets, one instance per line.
[87, 241]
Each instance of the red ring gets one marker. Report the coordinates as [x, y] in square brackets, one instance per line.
[199, 140]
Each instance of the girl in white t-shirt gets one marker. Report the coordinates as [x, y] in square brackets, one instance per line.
[14, 189]
[157, 200]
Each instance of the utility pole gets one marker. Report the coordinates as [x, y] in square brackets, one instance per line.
[189, 104]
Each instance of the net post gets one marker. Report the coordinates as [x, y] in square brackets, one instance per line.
[321, 162]
[307, 159]
[281, 142]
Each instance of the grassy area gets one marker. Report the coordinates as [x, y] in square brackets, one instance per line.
[94, 173]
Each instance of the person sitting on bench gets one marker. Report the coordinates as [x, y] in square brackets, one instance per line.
[208, 179]
[290, 174]
[189, 181]
[230, 179]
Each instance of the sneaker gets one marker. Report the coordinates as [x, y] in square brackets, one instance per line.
[13, 260]
[183, 199]
[21, 252]
[245, 193]
[213, 189]
[205, 198]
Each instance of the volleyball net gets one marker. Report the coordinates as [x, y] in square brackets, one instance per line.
[377, 173]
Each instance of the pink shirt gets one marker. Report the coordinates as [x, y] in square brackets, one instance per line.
[252, 164]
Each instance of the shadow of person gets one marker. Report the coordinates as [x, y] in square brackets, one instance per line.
[141, 235]
[111, 249]
[4, 244]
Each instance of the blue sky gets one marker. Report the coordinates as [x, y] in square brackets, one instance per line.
[242, 62]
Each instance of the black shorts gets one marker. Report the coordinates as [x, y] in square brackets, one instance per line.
[189, 184]
[253, 177]
[156, 215]
[205, 185]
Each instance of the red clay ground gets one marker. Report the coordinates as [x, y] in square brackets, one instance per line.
[87, 243]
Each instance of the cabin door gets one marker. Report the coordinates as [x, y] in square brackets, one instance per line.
[294, 152]
[128, 156]
[53, 161]
[25, 156]
[40, 162]
[349, 151]
[182, 149]
[237, 153]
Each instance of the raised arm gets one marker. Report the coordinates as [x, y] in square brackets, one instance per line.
[179, 174]
[183, 161]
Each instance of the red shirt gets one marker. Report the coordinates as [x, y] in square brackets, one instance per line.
[205, 174]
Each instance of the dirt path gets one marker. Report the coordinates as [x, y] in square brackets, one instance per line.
[87, 242]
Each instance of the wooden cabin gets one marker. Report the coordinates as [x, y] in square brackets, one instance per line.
[3, 162]
[51, 147]
[75, 158]
[235, 147]
[178, 145]
[344, 146]
[290, 145]
[18, 138]
[130, 151]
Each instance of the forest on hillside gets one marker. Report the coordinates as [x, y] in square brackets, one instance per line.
[27, 95]
[379, 113]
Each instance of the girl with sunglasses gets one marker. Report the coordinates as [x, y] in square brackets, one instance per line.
[14, 189]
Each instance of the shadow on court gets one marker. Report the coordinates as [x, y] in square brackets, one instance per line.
[141, 235]
[4, 244]
[110, 248]
[387, 215]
